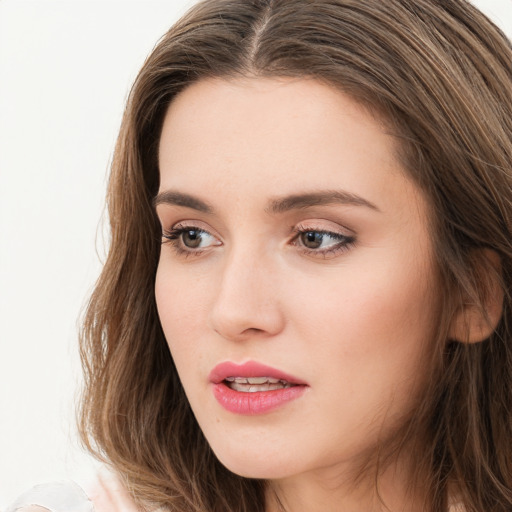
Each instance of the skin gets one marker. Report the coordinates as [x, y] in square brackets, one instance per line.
[353, 317]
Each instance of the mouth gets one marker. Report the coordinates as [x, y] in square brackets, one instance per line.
[253, 388]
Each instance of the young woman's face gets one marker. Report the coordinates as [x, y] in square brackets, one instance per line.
[296, 285]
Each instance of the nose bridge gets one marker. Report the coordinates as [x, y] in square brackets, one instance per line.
[246, 302]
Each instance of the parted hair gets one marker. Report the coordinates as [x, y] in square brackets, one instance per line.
[440, 74]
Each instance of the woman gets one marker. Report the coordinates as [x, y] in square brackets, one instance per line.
[306, 303]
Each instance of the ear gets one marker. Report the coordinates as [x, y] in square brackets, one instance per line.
[474, 322]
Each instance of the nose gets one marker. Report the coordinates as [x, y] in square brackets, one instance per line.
[247, 301]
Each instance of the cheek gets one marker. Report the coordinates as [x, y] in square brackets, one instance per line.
[179, 296]
[379, 319]
[183, 304]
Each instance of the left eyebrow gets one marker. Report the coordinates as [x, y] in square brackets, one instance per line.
[180, 199]
[322, 198]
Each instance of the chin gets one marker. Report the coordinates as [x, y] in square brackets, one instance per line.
[255, 471]
[259, 466]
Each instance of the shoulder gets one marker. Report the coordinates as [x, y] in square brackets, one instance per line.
[54, 497]
[32, 508]
[103, 494]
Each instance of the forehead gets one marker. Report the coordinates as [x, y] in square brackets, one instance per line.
[272, 111]
[262, 136]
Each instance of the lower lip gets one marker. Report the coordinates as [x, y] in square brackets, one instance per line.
[258, 402]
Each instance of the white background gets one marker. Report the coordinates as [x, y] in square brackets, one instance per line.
[65, 70]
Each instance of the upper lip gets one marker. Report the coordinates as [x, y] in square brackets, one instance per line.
[249, 369]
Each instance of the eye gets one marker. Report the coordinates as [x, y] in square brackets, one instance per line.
[193, 238]
[190, 239]
[315, 239]
[321, 242]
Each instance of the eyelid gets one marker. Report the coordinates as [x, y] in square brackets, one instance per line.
[324, 226]
[192, 223]
[173, 237]
[343, 237]
[345, 240]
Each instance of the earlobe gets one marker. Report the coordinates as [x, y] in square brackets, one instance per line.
[475, 321]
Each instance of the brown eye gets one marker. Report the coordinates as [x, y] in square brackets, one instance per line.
[323, 243]
[192, 238]
[311, 239]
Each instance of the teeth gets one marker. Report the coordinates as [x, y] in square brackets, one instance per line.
[251, 388]
[255, 384]
[253, 380]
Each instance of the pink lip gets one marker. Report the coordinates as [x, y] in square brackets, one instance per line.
[249, 369]
[258, 402]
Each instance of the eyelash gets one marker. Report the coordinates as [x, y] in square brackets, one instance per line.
[344, 243]
[173, 237]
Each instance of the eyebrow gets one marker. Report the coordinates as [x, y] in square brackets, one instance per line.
[181, 199]
[321, 198]
[276, 206]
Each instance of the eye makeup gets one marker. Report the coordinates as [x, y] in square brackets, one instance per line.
[188, 239]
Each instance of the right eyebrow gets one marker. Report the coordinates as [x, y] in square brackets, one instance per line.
[311, 199]
[181, 199]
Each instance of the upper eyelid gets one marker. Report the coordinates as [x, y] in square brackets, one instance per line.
[319, 230]
[191, 224]
[317, 225]
[176, 228]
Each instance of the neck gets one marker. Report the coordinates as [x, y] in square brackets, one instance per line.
[336, 489]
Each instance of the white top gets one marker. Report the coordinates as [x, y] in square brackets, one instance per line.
[57, 497]
[105, 494]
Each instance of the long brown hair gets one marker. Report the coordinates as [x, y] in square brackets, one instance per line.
[440, 73]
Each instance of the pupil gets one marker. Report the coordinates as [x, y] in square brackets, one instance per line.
[312, 239]
[192, 238]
